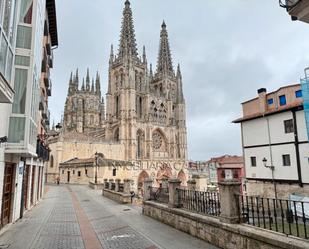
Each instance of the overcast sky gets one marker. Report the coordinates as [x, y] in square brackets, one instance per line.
[227, 49]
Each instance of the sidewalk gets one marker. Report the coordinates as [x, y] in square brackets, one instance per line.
[78, 217]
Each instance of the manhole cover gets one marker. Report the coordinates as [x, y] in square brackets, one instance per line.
[127, 209]
[85, 200]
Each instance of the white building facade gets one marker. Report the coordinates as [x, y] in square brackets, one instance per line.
[22, 171]
[274, 131]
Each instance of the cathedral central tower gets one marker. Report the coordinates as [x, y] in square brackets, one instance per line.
[145, 110]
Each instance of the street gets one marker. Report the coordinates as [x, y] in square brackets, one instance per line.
[79, 217]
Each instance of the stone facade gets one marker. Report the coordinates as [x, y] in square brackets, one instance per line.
[145, 119]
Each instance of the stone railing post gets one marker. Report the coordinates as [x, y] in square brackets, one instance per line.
[191, 184]
[147, 189]
[201, 182]
[173, 200]
[229, 191]
[126, 186]
[105, 183]
[110, 184]
[165, 183]
[117, 181]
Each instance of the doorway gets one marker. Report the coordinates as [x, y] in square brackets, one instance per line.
[7, 194]
[69, 176]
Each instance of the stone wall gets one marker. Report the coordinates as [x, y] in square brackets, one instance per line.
[223, 235]
[117, 196]
[266, 189]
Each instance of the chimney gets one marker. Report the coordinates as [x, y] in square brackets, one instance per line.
[262, 100]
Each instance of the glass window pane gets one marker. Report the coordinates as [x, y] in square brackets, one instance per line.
[33, 134]
[9, 66]
[23, 39]
[1, 9]
[26, 11]
[22, 60]
[20, 88]
[3, 53]
[282, 100]
[16, 130]
[7, 16]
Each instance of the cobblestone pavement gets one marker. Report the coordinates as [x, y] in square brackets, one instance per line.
[78, 217]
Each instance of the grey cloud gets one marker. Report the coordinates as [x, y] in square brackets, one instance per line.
[227, 50]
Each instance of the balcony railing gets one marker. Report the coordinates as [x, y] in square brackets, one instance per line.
[200, 201]
[284, 216]
[159, 194]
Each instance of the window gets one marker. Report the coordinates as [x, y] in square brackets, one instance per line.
[3, 54]
[16, 130]
[286, 160]
[62, 172]
[282, 100]
[298, 94]
[20, 88]
[270, 101]
[73, 172]
[253, 161]
[23, 39]
[51, 161]
[22, 60]
[78, 173]
[86, 171]
[288, 126]
[26, 11]
[114, 172]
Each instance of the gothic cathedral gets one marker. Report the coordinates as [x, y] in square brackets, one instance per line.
[145, 114]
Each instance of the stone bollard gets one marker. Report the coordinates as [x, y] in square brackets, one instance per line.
[106, 183]
[110, 184]
[191, 184]
[173, 200]
[117, 181]
[201, 182]
[229, 191]
[147, 188]
[126, 186]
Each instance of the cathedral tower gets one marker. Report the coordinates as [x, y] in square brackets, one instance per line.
[84, 108]
[145, 111]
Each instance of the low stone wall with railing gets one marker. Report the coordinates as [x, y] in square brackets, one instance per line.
[216, 217]
[117, 191]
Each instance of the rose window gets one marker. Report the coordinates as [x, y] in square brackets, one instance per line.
[157, 140]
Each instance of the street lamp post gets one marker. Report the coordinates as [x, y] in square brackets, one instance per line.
[272, 168]
[96, 169]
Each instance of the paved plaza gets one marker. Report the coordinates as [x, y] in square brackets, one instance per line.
[78, 217]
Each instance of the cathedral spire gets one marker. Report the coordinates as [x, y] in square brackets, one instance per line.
[83, 85]
[98, 84]
[76, 80]
[144, 55]
[127, 47]
[165, 65]
[87, 81]
[92, 85]
[179, 85]
[150, 71]
[71, 85]
[111, 57]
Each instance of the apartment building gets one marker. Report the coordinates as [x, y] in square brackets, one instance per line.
[25, 150]
[275, 143]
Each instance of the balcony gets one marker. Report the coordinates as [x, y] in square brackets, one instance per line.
[49, 89]
[46, 80]
[297, 9]
[42, 103]
[42, 151]
[48, 48]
